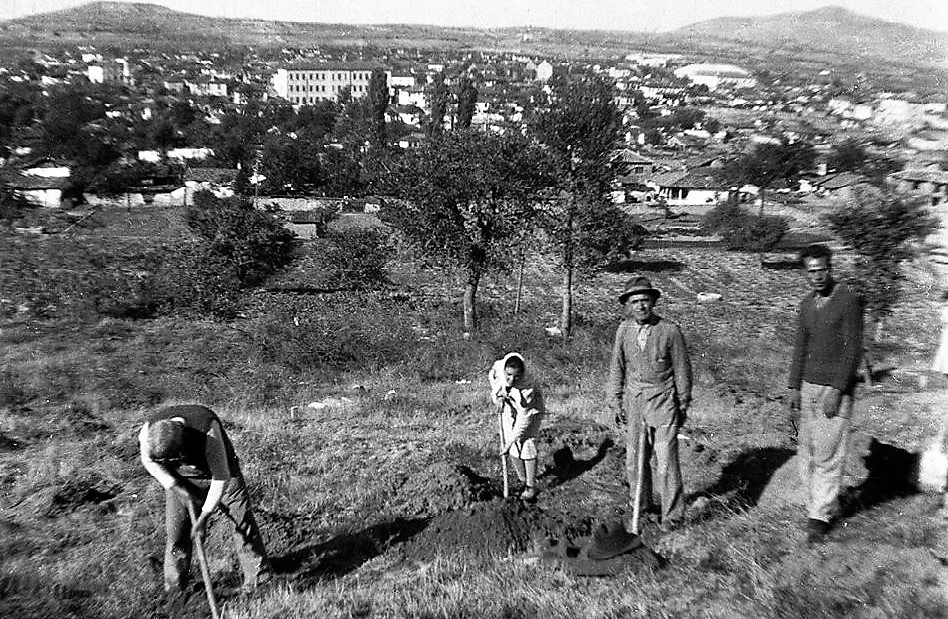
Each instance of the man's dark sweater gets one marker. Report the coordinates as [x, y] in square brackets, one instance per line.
[828, 344]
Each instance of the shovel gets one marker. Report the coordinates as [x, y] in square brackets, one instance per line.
[637, 501]
[503, 456]
[205, 571]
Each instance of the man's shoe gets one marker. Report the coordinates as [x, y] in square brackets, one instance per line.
[816, 530]
[529, 494]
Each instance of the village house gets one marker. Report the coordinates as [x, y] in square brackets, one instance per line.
[932, 184]
[841, 186]
[409, 114]
[702, 188]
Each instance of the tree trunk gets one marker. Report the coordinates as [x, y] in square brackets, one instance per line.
[566, 317]
[470, 296]
[523, 259]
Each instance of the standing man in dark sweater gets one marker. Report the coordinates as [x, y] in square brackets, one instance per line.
[186, 449]
[650, 390]
[826, 355]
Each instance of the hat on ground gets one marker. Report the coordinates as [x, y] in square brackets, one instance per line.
[639, 285]
[610, 539]
[576, 559]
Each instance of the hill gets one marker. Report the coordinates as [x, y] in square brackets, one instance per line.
[830, 29]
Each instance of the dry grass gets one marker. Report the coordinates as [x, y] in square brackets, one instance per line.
[71, 401]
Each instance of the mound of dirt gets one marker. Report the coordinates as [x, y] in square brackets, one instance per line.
[485, 530]
[440, 487]
[77, 493]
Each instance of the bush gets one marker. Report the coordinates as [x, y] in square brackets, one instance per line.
[742, 231]
[246, 244]
[355, 258]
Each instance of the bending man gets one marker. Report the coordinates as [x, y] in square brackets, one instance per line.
[186, 449]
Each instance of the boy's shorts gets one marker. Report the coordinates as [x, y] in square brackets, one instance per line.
[525, 449]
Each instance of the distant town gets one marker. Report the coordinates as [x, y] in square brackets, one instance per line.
[165, 125]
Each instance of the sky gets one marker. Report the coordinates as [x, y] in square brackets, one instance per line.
[635, 15]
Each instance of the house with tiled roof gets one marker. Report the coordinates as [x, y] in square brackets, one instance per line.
[699, 187]
[38, 190]
[930, 183]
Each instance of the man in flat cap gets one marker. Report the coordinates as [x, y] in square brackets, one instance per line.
[649, 389]
[186, 450]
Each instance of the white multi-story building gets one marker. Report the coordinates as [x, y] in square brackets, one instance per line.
[308, 84]
[117, 70]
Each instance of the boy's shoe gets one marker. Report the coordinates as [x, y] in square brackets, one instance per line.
[816, 530]
[529, 494]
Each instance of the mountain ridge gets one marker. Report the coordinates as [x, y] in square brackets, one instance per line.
[828, 31]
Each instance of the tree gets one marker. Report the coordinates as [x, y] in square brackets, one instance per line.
[438, 96]
[579, 129]
[467, 99]
[378, 104]
[882, 227]
[463, 198]
[291, 165]
[766, 163]
[248, 244]
[847, 156]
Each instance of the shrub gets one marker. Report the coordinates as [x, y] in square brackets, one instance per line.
[355, 258]
[742, 231]
[246, 244]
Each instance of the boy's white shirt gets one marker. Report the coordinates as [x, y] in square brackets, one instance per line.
[520, 398]
[214, 493]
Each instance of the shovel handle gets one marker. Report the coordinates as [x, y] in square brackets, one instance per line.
[639, 473]
[503, 443]
[202, 560]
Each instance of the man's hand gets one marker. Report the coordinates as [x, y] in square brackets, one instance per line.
[831, 402]
[506, 448]
[682, 415]
[619, 417]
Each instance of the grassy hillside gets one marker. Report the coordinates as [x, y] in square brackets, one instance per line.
[383, 501]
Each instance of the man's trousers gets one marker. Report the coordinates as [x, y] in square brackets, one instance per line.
[235, 507]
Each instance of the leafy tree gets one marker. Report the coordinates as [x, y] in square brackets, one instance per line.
[467, 99]
[290, 165]
[378, 104]
[438, 96]
[579, 129]
[318, 119]
[847, 156]
[464, 198]
[883, 228]
[241, 242]
[767, 163]
[743, 231]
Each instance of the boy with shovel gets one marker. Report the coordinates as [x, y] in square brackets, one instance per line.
[520, 408]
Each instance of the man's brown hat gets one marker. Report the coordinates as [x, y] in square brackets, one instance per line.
[639, 285]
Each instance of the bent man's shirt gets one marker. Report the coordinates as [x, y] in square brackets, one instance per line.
[207, 451]
[656, 377]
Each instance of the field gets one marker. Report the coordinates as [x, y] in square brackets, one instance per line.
[382, 501]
